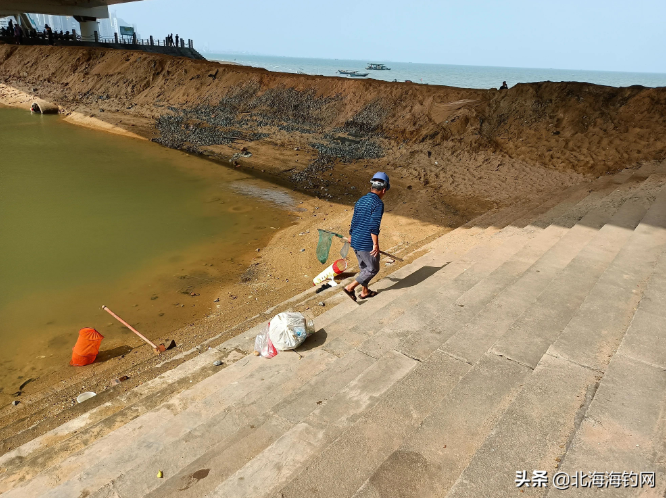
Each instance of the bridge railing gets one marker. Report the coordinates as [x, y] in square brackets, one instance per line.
[59, 37]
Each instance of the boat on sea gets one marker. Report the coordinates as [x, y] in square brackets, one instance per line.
[353, 74]
[377, 67]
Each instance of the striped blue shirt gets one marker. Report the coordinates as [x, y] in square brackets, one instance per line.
[367, 218]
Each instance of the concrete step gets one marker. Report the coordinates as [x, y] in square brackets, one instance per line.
[255, 431]
[533, 431]
[431, 458]
[533, 333]
[246, 388]
[185, 476]
[225, 457]
[459, 276]
[625, 425]
[275, 465]
[373, 444]
[54, 446]
[341, 464]
[416, 337]
[538, 426]
[536, 292]
[477, 258]
[622, 284]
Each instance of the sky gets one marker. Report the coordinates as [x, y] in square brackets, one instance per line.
[608, 35]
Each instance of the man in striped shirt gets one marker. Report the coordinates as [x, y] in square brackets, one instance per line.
[364, 233]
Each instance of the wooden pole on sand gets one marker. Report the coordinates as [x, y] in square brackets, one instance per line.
[158, 349]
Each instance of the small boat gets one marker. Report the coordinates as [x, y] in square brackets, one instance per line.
[356, 74]
[346, 71]
[377, 67]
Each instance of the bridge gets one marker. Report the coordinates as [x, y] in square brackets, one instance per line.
[86, 13]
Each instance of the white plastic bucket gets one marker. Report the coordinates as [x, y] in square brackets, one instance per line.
[336, 268]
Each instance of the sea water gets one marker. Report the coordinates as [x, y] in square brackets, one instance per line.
[442, 74]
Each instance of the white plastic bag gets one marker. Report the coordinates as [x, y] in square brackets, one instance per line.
[263, 344]
[288, 330]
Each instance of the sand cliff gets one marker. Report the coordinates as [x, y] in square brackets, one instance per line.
[472, 149]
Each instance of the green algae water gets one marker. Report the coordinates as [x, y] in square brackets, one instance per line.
[88, 218]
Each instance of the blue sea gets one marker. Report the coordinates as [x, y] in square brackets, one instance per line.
[441, 74]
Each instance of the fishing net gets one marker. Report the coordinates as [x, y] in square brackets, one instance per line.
[345, 250]
[324, 245]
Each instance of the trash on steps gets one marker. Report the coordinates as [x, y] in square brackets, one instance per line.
[15, 402]
[336, 268]
[84, 396]
[117, 381]
[263, 345]
[160, 474]
[86, 348]
[217, 363]
[288, 330]
[285, 331]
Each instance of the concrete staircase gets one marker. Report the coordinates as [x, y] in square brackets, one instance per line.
[529, 339]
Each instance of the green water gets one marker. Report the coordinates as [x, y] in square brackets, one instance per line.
[88, 218]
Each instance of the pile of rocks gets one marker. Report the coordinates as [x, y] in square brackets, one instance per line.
[243, 108]
[367, 122]
[246, 114]
[348, 151]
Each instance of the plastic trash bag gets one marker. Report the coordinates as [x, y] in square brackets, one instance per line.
[86, 348]
[263, 344]
[324, 245]
[288, 330]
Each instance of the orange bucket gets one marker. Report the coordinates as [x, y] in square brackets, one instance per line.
[86, 348]
[339, 266]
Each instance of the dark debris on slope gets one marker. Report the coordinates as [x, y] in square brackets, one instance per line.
[245, 114]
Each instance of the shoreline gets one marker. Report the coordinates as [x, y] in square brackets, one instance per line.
[271, 281]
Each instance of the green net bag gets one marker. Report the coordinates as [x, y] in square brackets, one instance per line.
[324, 245]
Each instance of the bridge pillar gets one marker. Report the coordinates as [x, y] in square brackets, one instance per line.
[88, 27]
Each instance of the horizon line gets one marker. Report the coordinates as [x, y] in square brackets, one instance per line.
[430, 63]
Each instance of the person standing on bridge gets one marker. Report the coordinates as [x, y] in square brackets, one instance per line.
[364, 231]
[177, 40]
[18, 34]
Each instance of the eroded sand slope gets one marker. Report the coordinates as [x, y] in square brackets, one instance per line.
[471, 148]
